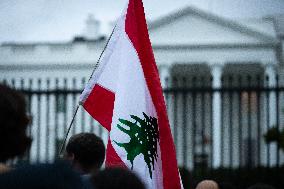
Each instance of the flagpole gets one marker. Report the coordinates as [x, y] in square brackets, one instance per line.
[73, 118]
[98, 62]
[69, 128]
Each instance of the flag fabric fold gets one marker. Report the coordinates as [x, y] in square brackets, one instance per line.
[125, 96]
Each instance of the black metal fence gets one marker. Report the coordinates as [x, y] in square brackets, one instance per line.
[240, 117]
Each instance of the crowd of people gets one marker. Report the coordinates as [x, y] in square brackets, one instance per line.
[80, 167]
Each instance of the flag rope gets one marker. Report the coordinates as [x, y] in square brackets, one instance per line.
[73, 118]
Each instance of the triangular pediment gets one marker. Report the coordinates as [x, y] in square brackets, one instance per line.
[191, 26]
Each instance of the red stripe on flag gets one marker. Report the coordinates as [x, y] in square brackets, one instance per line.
[99, 105]
[112, 159]
[136, 29]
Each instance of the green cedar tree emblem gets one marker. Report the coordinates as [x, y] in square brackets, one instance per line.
[144, 135]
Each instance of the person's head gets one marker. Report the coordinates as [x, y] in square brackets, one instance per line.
[207, 184]
[116, 178]
[14, 121]
[86, 152]
[261, 186]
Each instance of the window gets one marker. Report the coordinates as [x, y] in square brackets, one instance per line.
[61, 103]
[250, 101]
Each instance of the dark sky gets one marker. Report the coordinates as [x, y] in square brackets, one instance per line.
[60, 20]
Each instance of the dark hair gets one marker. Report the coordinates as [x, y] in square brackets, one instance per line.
[116, 178]
[88, 150]
[13, 124]
[261, 186]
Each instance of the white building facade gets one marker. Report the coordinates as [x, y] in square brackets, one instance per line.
[189, 44]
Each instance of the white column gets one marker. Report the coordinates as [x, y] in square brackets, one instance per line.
[165, 77]
[271, 73]
[164, 71]
[216, 71]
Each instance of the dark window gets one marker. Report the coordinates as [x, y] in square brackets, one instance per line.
[61, 103]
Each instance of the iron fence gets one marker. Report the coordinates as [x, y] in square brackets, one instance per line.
[247, 109]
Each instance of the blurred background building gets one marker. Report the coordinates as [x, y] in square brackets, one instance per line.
[221, 79]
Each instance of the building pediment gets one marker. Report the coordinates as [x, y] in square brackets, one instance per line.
[191, 26]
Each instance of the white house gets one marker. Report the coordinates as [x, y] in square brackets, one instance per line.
[189, 43]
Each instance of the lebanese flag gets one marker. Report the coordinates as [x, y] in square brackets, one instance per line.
[125, 96]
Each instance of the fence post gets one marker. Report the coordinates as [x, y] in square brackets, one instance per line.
[164, 71]
[216, 71]
[270, 72]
